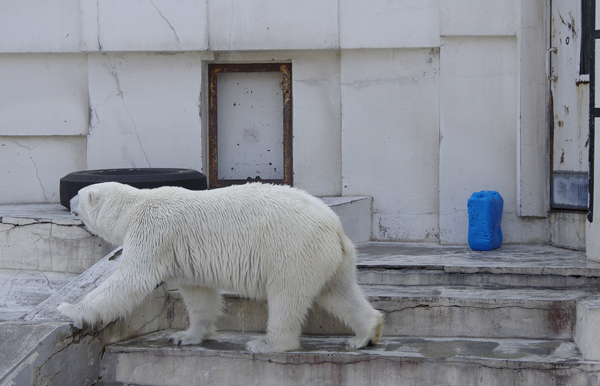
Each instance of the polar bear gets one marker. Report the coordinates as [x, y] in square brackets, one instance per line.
[265, 242]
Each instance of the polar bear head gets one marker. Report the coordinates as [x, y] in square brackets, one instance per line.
[103, 208]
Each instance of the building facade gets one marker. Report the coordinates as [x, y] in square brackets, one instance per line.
[416, 103]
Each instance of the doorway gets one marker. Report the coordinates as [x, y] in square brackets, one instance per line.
[250, 123]
[569, 94]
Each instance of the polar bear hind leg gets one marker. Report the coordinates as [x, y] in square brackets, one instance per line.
[287, 311]
[204, 306]
[343, 298]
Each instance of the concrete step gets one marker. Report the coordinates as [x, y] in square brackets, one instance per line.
[23, 290]
[429, 311]
[510, 266]
[564, 320]
[355, 213]
[452, 291]
[151, 360]
[47, 237]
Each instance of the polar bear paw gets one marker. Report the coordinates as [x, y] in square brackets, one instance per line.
[184, 338]
[373, 335]
[73, 312]
[259, 346]
[358, 342]
[262, 346]
[193, 336]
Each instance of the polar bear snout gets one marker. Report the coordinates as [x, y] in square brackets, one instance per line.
[75, 205]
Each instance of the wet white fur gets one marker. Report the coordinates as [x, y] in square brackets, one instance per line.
[261, 241]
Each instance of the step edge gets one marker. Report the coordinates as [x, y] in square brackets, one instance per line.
[532, 361]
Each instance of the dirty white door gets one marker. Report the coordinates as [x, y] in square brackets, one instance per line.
[250, 124]
[591, 13]
[251, 136]
[570, 100]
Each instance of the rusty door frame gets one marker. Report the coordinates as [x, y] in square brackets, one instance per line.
[569, 189]
[216, 68]
[594, 112]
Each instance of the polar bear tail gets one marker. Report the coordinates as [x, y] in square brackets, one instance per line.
[348, 249]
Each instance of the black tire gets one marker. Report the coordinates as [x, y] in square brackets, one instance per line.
[146, 178]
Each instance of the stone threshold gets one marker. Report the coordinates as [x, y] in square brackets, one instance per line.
[508, 259]
[521, 352]
[327, 361]
[37, 212]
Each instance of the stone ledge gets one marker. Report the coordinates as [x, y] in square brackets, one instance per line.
[46, 349]
[355, 212]
[47, 212]
[508, 259]
[394, 361]
[431, 311]
[587, 334]
[23, 290]
[47, 237]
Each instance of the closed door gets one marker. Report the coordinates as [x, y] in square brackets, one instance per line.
[250, 124]
[569, 87]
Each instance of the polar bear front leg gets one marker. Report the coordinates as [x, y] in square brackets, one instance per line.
[116, 297]
[204, 306]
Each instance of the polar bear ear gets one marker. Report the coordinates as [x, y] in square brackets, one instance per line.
[92, 197]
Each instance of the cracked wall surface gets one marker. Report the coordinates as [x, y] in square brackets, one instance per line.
[134, 113]
[43, 123]
[381, 108]
[159, 25]
[59, 246]
[33, 166]
[408, 135]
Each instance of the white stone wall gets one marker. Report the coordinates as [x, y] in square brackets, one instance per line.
[478, 111]
[417, 103]
[145, 110]
[390, 136]
[43, 123]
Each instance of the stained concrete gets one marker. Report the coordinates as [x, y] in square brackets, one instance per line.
[400, 299]
[476, 303]
[18, 340]
[23, 290]
[531, 350]
[37, 346]
[38, 212]
[435, 311]
[47, 237]
[43, 348]
[355, 213]
[406, 361]
[47, 353]
[513, 259]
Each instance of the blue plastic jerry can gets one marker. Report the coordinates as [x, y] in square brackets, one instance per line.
[485, 215]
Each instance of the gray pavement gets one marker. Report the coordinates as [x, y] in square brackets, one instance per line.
[36, 211]
[22, 290]
[515, 259]
[508, 349]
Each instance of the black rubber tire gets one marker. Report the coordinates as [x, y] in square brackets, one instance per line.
[146, 178]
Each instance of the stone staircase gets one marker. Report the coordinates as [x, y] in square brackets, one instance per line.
[453, 317]
[518, 315]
